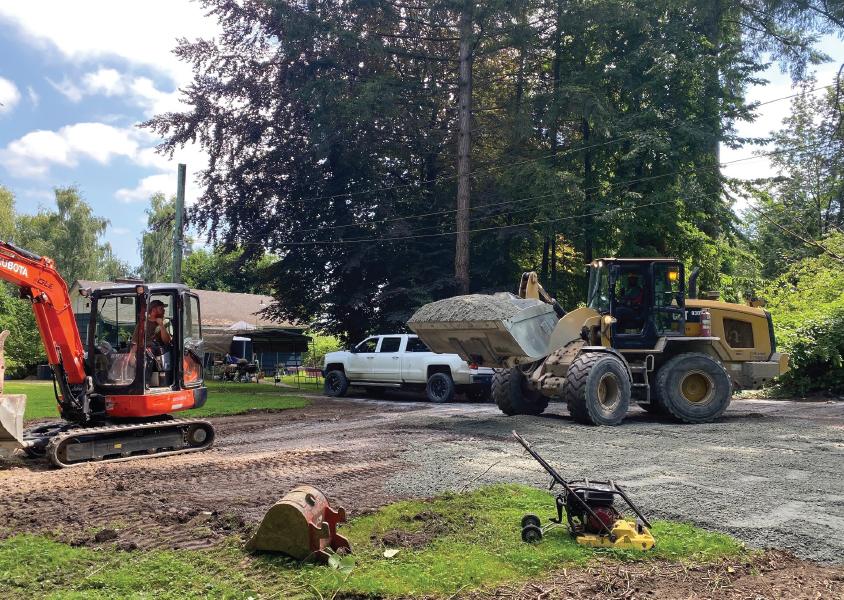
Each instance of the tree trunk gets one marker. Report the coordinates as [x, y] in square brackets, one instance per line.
[464, 146]
[589, 191]
[712, 12]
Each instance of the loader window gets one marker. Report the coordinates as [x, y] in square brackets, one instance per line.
[599, 289]
[114, 332]
[738, 334]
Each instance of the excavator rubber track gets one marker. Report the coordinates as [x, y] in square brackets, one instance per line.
[117, 443]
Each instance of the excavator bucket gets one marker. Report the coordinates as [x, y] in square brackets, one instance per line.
[11, 422]
[301, 525]
[11, 409]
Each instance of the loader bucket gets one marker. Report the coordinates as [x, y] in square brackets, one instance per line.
[301, 525]
[11, 422]
[488, 330]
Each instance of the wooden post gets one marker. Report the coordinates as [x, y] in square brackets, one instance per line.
[464, 147]
[179, 233]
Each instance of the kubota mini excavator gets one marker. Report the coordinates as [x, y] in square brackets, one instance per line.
[116, 388]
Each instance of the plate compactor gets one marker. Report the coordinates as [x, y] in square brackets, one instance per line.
[591, 516]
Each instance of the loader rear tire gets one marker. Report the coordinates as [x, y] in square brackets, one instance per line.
[597, 389]
[336, 384]
[512, 395]
[694, 387]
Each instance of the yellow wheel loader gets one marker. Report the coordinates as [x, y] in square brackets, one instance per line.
[643, 336]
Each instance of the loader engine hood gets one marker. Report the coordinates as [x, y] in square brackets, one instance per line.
[490, 330]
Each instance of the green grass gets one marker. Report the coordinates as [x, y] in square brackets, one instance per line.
[223, 399]
[474, 544]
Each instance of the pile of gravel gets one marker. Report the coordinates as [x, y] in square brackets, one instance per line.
[473, 307]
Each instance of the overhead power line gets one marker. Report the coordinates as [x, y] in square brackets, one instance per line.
[558, 193]
[508, 165]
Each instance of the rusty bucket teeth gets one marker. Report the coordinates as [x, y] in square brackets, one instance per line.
[302, 525]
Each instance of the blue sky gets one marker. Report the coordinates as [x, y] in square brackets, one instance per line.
[75, 79]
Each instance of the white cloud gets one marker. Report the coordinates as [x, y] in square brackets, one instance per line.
[104, 81]
[9, 95]
[33, 154]
[67, 88]
[141, 33]
[34, 98]
[120, 230]
[165, 181]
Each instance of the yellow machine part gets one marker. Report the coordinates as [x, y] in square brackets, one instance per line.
[627, 537]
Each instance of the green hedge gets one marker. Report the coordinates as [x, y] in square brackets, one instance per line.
[817, 355]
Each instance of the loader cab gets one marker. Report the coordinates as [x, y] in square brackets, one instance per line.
[645, 296]
[144, 339]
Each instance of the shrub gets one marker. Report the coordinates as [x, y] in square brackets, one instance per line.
[817, 355]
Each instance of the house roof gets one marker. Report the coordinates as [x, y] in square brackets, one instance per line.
[220, 310]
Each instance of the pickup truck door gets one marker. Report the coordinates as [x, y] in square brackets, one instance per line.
[359, 363]
[387, 364]
[413, 361]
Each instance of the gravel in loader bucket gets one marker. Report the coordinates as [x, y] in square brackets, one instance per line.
[489, 330]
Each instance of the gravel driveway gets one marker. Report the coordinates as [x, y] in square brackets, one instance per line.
[769, 472]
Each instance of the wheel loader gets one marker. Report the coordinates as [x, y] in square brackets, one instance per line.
[116, 387]
[643, 336]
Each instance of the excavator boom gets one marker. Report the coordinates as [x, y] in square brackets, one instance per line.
[38, 280]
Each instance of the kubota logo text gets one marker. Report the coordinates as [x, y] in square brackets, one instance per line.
[14, 267]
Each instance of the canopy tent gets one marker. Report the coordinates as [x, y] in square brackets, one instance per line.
[263, 340]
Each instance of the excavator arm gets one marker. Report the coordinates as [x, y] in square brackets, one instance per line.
[37, 279]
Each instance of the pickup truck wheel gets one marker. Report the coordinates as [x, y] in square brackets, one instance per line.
[512, 395]
[440, 388]
[694, 388]
[336, 384]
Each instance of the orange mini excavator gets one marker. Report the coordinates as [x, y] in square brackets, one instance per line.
[140, 360]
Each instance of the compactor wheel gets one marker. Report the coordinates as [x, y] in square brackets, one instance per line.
[694, 387]
[511, 393]
[597, 389]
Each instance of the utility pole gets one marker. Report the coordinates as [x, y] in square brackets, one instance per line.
[464, 147]
[178, 232]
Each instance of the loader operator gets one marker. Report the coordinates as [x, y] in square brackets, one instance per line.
[156, 326]
[629, 309]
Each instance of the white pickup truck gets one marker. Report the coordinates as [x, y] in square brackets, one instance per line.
[403, 361]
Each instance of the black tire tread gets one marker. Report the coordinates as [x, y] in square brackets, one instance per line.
[577, 378]
[506, 383]
[665, 371]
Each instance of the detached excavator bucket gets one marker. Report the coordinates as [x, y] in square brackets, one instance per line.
[11, 422]
[301, 525]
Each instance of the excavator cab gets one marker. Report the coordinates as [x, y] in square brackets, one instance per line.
[645, 296]
[144, 343]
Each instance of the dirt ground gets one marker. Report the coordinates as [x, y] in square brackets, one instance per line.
[770, 472]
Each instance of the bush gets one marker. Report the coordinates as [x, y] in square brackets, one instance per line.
[807, 305]
[319, 347]
[817, 355]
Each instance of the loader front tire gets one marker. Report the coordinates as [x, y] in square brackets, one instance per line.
[597, 389]
[694, 387]
[512, 395]
[336, 383]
